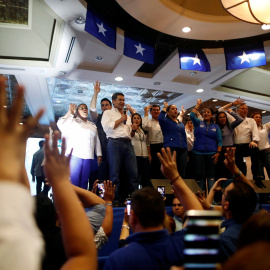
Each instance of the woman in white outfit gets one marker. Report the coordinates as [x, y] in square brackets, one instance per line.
[82, 137]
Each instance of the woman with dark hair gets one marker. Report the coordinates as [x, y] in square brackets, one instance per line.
[263, 144]
[174, 135]
[207, 146]
[82, 137]
[227, 129]
[141, 149]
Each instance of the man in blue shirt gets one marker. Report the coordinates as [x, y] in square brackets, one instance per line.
[151, 246]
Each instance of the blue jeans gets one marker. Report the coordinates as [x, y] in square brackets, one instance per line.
[121, 153]
[79, 171]
[204, 169]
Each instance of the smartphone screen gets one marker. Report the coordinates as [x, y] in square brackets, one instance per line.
[128, 206]
[161, 190]
[101, 190]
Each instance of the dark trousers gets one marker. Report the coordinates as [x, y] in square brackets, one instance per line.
[264, 161]
[143, 171]
[190, 170]
[103, 169]
[155, 172]
[204, 170]
[121, 153]
[243, 150]
[40, 180]
[181, 159]
[221, 171]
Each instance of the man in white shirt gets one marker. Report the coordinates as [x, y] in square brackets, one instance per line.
[155, 138]
[117, 126]
[246, 138]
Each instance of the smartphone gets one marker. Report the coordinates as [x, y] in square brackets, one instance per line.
[128, 205]
[161, 190]
[225, 183]
[101, 190]
[202, 239]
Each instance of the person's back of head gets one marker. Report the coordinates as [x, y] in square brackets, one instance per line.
[257, 228]
[41, 143]
[148, 206]
[242, 201]
[45, 213]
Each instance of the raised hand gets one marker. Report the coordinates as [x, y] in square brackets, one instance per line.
[199, 102]
[72, 108]
[97, 87]
[109, 191]
[57, 165]
[13, 136]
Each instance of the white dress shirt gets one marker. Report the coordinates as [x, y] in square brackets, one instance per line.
[246, 132]
[108, 122]
[190, 139]
[81, 136]
[154, 130]
[139, 142]
[21, 245]
[263, 132]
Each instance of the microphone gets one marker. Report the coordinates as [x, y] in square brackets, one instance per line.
[125, 112]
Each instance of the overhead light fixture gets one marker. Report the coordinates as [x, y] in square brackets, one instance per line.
[263, 111]
[119, 79]
[80, 20]
[214, 100]
[63, 73]
[99, 58]
[157, 83]
[58, 101]
[251, 11]
[186, 29]
[21, 123]
[199, 90]
[265, 26]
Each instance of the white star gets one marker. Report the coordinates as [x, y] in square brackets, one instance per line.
[101, 29]
[244, 58]
[139, 48]
[196, 60]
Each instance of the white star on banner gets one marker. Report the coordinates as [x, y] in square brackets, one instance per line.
[244, 58]
[196, 60]
[101, 29]
[139, 48]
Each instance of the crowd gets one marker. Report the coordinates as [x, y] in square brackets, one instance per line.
[67, 233]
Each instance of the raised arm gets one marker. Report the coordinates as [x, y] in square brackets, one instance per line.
[93, 104]
[76, 230]
[238, 101]
[169, 170]
[107, 223]
[145, 121]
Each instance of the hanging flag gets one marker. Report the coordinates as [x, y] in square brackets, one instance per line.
[140, 50]
[99, 28]
[193, 59]
[245, 56]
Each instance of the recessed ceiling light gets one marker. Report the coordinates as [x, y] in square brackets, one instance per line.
[193, 73]
[214, 100]
[5, 107]
[199, 90]
[99, 58]
[63, 72]
[119, 79]
[186, 29]
[157, 83]
[21, 123]
[80, 20]
[265, 26]
[58, 101]
[263, 111]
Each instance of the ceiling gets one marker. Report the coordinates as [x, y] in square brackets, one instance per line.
[55, 58]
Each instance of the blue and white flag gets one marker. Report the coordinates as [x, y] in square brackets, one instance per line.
[99, 28]
[139, 50]
[245, 56]
[193, 59]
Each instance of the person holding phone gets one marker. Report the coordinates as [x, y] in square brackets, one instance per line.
[139, 141]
